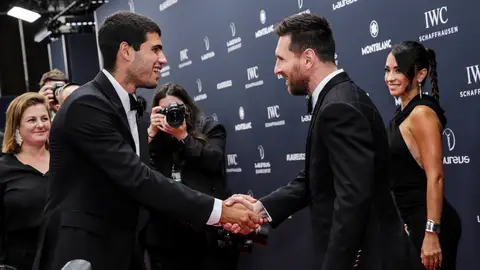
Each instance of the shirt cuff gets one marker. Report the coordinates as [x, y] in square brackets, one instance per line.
[264, 212]
[216, 213]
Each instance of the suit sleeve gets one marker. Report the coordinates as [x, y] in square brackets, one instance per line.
[210, 156]
[3, 253]
[349, 141]
[92, 126]
[287, 200]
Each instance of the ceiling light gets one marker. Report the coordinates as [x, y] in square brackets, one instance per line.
[23, 14]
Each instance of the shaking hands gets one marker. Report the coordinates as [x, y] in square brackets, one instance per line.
[242, 214]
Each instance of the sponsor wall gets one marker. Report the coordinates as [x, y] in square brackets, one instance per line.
[222, 52]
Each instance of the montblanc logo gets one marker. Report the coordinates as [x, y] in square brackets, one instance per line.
[266, 30]
[131, 5]
[241, 113]
[166, 4]
[374, 29]
[209, 54]
[236, 42]
[263, 16]
[273, 112]
[165, 71]
[450, 138]
[184, 61]
[473, 77]
[232, 163]
[436, 18]
[253, 77]
[200, 96]
[245, 125]
[262, 167]
[342, 3]
[296, 157]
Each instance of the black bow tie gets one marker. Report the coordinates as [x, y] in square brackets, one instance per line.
[309, 105]
[135, 105]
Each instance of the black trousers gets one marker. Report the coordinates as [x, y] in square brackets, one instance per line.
[181, 247]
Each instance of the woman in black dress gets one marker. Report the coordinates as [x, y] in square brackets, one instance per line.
[416, 156]
[23, 179]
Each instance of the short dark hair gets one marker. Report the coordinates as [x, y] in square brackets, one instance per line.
[309, 31]
[123, 26]
[412, 57]
[53, 75]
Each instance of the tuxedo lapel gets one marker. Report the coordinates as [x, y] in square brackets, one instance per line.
[108, 90]
[143, 137]
[341, 77]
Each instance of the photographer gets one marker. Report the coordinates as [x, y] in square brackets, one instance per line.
[50, 82]
[190, 150]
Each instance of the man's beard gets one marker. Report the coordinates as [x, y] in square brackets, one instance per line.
[298, 84]
[141, 75]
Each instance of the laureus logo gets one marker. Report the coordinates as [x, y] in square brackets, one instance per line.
[232, 28]
[261, 151]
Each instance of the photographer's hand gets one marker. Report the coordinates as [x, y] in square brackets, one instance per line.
[155, 122]
[179, 133]
[47, 91]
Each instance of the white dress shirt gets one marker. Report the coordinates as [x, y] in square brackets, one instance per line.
[322, 84]
[132, 121]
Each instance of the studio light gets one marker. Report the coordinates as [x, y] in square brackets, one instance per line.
[23, 14]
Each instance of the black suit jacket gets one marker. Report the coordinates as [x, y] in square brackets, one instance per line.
[202, 168]
[98, 183]
[346, 185]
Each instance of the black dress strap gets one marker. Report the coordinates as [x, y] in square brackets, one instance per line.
[425, 100]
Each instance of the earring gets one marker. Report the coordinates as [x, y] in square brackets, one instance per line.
[420, 88]
[18, 138]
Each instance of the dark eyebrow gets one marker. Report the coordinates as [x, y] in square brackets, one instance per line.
[157, 47]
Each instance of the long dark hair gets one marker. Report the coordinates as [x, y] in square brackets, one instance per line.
[194, 117]
[412, 57]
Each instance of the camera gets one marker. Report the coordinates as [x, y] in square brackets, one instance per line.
[175, 114]
[244, 243]
[56, 88]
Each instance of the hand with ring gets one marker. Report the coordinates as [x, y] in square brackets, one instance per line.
[431, 254]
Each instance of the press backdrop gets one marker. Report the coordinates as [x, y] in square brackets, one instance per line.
[222, 52]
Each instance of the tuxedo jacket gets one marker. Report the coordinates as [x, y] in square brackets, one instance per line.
[345, 184]
[98, 184]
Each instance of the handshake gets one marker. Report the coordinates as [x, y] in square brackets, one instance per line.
[243, 214]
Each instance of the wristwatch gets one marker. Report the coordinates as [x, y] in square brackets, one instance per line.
[432, 227]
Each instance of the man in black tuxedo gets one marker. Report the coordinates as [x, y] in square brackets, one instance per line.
[345, 182]
[98, 181]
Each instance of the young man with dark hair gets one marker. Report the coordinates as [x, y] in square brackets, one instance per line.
[98, 155]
